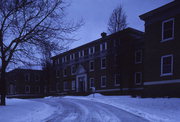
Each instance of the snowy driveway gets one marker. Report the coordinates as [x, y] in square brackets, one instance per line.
[76, 110]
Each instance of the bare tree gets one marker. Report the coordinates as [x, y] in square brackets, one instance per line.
[29, 26]
[117, 20]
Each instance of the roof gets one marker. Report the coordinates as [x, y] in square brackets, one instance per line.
[160, 9]
[127, 30]
[28, 68]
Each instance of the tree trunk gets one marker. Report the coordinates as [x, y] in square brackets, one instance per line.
[3, 87]
[3, 71]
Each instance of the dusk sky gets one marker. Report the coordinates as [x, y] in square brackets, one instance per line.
[96, 14]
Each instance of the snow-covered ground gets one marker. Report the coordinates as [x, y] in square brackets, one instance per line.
[18, 110]
[152, 109]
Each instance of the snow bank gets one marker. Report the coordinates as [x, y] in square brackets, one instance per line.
[18, 110]
[96, 95]
[153, 109]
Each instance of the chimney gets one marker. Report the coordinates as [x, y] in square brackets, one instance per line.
[103, 34]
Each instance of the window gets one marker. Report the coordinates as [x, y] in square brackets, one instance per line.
[57, 73]
[103, 81]
[117, 79]
[73, 70]
[116, 42]
[138, 56]
[168, 29]
[63, 59]
[73, 85]
[167, 65]
[65, 86]
[72, 56]
[27, 89]
[37, 77]
[138, 78]
[91, 82]
[91, 50]
[103, 46]
[65, 72]
[91, 65]
[81, 53]
[37, 89]
[27, 77]
[103, 63]
[58, 61]
[58, 87]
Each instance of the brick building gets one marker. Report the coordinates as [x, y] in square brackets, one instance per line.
[126, 62]
[162, 47]
[112, 63]
[25, 82]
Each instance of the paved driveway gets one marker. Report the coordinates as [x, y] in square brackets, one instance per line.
[75, 110]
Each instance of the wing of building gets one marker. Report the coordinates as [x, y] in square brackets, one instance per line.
[111, 64]
[162, 51]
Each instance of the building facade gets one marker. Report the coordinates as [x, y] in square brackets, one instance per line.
[25, 82]
[162, 47]
[111, 64]
[126, 62]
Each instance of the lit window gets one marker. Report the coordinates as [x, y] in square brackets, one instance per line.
[167, 65]
[103, 63]
[103, 81]
[138, 78]
[168, 29]
[91, 65]
[117, 79]
[91, 82]
[138, 56]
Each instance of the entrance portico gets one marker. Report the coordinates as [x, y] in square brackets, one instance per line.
[81, 79]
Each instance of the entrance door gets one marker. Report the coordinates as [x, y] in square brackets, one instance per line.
[81, 82]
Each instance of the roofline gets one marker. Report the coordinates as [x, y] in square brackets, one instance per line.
[157, 10]
[129, 29]
[23, 69]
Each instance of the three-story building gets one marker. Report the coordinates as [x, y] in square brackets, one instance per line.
[112, 63]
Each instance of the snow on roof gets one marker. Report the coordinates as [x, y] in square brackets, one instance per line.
[35, 67]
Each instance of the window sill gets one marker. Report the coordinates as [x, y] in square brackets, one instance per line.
[117, 85]
[91, 70]
[138, 84]
[168, 39]
[167, 74]
[103, 67]
[138, 62]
